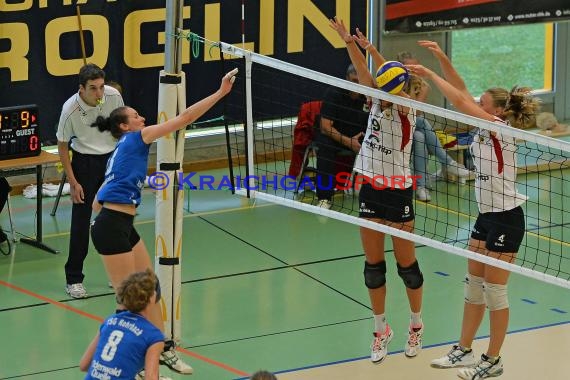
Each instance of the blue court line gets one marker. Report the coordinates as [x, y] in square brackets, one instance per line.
[441, 273]
[558, 310]
[400, 351]
[529, 301]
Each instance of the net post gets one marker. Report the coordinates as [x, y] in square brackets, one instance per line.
[249, 127]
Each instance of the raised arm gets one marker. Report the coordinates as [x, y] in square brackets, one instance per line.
[449, 73]
[190, 114]
[365, 44]
[357, 58]
[461, 100]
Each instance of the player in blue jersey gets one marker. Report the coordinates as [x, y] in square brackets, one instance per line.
[112, 232]
[127, 341]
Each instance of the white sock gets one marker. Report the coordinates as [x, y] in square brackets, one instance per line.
[416, 319]
[380, 323]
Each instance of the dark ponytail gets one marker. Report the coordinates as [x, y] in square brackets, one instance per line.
[102, 123]
[113, 122]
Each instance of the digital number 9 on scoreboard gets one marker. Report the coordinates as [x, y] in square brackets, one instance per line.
[19, 132]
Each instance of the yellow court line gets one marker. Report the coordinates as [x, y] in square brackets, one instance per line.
[546, 238]
[196, 215]
[216, 212]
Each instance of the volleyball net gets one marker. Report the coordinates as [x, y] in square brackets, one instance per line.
[273, 144]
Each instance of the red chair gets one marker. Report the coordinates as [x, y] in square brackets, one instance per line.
[303, 135]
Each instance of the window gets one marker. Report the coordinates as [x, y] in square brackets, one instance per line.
[504, 56]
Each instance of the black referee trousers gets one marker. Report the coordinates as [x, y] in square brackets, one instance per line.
[89, 170]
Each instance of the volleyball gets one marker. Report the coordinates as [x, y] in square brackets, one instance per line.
[391, 77]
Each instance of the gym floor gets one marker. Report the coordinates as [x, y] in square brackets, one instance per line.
[267, 287]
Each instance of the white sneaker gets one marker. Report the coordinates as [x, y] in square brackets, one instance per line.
[439, 175]
[414, 343]
[140, 376]
[171, 360]
[380, 345]
[457, 170]
[484, 369]
[324, 203]
[422, 194]
[76, 290]
[456, 357]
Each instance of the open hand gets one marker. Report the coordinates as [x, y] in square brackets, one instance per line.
[76, 192]
[433, 47]
[338, 25]
[420, 71]
[361, 39]
[228, 81]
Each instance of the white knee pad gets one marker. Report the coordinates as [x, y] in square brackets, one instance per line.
[474, 293]
[496, 296]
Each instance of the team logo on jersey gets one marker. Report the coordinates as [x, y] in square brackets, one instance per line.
[373, 141]
[374, 144]
[483, 177]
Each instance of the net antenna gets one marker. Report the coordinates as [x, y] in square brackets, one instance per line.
[243, 24]
[170, 156]
[81, 37]
[444, 224]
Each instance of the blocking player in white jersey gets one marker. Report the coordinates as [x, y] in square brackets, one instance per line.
[385, 154]
[500, 225]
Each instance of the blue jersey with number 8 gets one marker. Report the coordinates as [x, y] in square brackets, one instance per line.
[124, 339]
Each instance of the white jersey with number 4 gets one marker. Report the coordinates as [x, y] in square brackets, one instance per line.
[495, 159]
[387, 145]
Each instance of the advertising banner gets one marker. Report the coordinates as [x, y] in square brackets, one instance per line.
[417, 16]
[40, 48]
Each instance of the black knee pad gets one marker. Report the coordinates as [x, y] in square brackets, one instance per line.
[375, 275]
[157, 289]
[412, 276]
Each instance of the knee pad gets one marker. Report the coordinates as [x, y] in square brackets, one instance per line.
[496, 296]
[157, 289]
[473, 290]
[375, 275]
[412, 276]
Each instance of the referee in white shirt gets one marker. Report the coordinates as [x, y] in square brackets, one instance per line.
[86, 171]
